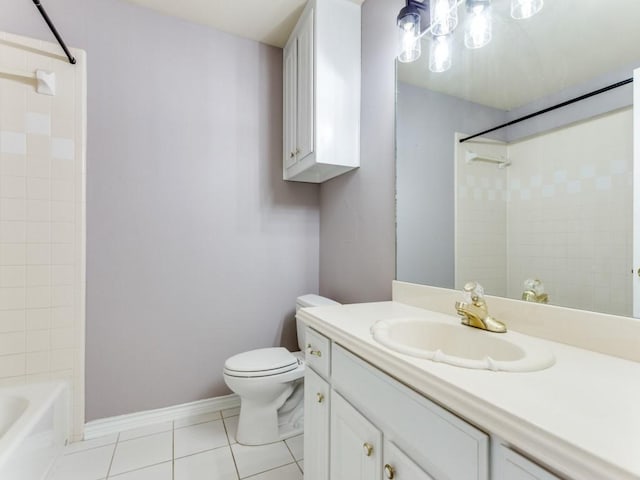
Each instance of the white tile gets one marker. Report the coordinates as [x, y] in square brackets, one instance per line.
[231, 412]
[162, 471]
[198, 438]
[62, 338]
[288, 472]
[38, 188]
[13, 142]
[301, 464]
[89, 444]
[87, 465]
[38, 254]
[38, 340]
[38, 123]
[252, 460]
[62, 148]
[13, 232]
[13, 276]
[12, 187]
[211, 465]
[12, 342]
[142, 452]
[296, 445]
[38, 232]
[144, 431]
[12, 320]
[231, 424]
[13, 209]
[194, 420]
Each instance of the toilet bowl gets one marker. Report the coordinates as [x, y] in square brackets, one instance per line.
[269, 382]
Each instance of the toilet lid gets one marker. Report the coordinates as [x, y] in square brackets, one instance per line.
[261, 362]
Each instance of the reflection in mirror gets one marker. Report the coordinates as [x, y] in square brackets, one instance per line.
[549, 199]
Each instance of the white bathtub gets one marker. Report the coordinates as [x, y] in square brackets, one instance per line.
[34, 426]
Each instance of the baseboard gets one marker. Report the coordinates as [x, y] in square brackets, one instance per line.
[108, 426]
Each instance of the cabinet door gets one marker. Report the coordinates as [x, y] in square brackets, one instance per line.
[290, 104]
[355, 443]
[400, 467]
[316, 423]
[512, 466]
[305, 123]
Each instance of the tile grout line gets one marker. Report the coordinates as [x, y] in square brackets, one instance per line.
[173, 450]
[113, 455]
[270, 470]
[233, 457]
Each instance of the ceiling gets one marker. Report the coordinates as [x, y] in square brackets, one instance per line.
[267, 21]
[566, 43]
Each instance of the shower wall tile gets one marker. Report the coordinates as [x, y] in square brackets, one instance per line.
[566, 218]
[42, 223]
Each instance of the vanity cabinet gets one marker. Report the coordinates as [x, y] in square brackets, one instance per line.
[356, 444]
[317, 398]
[321, 92]
[369, 426]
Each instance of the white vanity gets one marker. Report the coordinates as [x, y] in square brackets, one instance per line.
[374, 413]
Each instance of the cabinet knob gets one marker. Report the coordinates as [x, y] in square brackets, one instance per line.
[297, 151]
[368, 449]
[316, 353]
[389, 471]
[320, 397]
[292, 154]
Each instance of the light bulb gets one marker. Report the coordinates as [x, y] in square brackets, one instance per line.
[478, 30]
[409, 37]
[521, 9]
[440, 53]
[444, 16]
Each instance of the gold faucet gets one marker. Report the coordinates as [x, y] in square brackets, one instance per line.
[534, 291]
[474, 311]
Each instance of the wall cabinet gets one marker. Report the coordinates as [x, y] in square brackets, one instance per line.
[321, 92]
[362, 424]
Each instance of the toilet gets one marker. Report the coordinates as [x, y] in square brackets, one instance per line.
[269, 382]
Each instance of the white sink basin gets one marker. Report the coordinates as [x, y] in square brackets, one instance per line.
[461, 346]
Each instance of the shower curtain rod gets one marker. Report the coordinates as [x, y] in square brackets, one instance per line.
[52, 27]
[548, 109]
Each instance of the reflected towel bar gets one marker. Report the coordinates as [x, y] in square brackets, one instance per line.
[52, 27]
[548, 109]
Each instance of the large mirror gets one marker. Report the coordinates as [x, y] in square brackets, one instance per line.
[546, 201]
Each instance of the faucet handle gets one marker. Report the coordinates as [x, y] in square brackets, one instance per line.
[473, 292]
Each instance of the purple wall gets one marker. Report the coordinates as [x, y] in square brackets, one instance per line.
[357, 210]
[196, 248]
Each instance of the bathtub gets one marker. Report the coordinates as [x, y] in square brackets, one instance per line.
[34, 427]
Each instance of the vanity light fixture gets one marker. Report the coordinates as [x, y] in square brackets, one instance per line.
[438, 19]
[521, 9]
[440, 53]
[444, 16]
[410, 31]
[477, 32]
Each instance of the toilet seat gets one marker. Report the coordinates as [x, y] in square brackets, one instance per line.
[263, 362]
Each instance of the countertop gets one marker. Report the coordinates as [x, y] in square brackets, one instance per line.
[580, 417]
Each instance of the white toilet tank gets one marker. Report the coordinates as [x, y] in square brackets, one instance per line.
[309, 300]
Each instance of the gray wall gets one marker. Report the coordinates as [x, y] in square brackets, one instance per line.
[357, 211]
[427, 122]
[196, 247]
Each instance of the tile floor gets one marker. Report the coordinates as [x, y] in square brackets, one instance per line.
[195, 448]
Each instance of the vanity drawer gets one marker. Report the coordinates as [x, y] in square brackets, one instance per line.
[443, 445]
[510, 465]
[317, 352]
